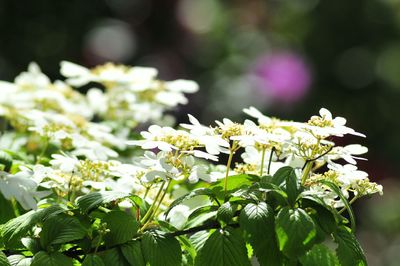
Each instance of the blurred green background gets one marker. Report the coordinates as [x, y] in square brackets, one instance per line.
[286, 57]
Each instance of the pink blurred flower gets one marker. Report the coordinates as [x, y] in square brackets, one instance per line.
[283, 76]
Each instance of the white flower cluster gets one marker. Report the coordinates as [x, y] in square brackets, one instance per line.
[131, 94]
[268, 145]
[42, 119]
[68, 143]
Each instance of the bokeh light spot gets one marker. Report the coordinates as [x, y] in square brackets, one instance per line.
[284, 76]
[111, 40]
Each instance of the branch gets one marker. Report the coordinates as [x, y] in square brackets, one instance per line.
[75, 253]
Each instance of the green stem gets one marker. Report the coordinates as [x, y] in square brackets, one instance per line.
[70, 186]
[98, 244]
[228, 166]
[41, 155]
[157, 207]
[147, 191]
[350, 202]
[162, 198]
[149, 212]
[262, 162]
[15, 207]
[306, 171]
[104, 209]
[270, 160]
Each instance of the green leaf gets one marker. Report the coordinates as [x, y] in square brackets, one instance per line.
[51, 259]
[92, 260]
[258, 221]
[323, 215]
[93, 200]
[277, 192]
[225, 212]
[3, 259]
[286, 177]
[112, 257]
[319, 255]
[18, 227]
[224, 247]
[7, 210]
[235, 182]
[19, 260]
[188, 250]
[122, 227]
[202, 210]
[198, 239]
[6, 160]
[192, 194]
[59, 229]
[140, 203]
[295, 231]
[200, 215]
[337, 190]
[32, 244]
[132, 252]
[160, 249]
[349, 250]
[292, 188]
[280, 176]
[249, 193]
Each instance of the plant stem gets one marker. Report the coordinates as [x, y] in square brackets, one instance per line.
[161, 199]
[262, 162]
[153, 213]
[270, 160]
[228, 166]
[98, 243]
[104, 209]
[70, 186]
[149, 212]
[40, 156]
[350, 202]
[146, 192]
[306, 171]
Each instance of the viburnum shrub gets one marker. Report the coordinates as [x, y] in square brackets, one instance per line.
[80, 186]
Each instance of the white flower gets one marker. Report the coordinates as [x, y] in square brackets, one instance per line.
[196, 128]
[347, 153]
[102, 133]
[253, 135]
[34, 76]
[154, 132]
[325, 125]
[200, 172]
[329, 197]
[21, 187]
[78, 75]
[93, 150]
[171, 98]
[40, 172]
[97, 101]
[67, 164]
[157, 166]
[252, 156]
[182, 85]
[179, 215]
[253, 112]
[213, 143]
[348, 174]
[202, 154]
